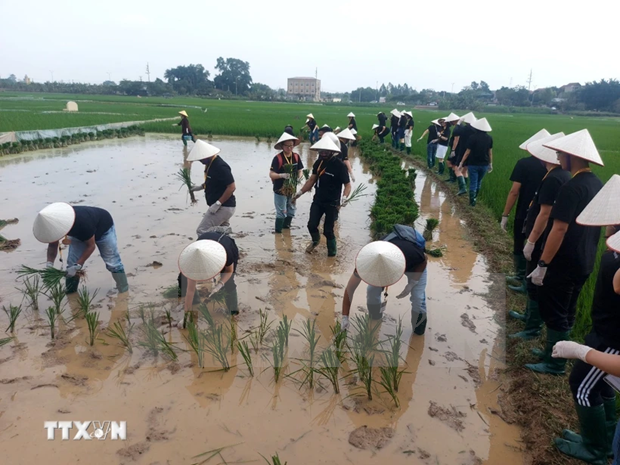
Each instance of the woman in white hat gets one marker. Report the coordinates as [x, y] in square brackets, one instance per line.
[569, 253]
[431, 143]
[458, 145]
[443, 135]
[219, 186]
[595, 400]
[211, 255]
[394, 120]
[186, 128]
[408, 131]
[381, 264]
[352, 123]
[284, 165]
[402, 126]
[88, 228]
[536, 227]
[382, 119]
[478, 157]
[329, 175]
[343, 138]
[312, 128]
[452, 121]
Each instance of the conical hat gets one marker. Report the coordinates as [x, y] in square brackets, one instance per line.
[452, 117]
[347, 134]
[380, 264]
[337, 129]
[351, 115]
[333, 137]
[395, 112]
[407, 112]
[374, 126]
[202, 260]
[614, 242]
[604, 208]
[182, 112]
[353, 131]
[53, 222]
[435, 122]
[310, 115]
[326, 144]
[538, 150]
[539, 135]
[283, 138]
[468, 118]
[202, 150]
[481, 125]
[578, 144]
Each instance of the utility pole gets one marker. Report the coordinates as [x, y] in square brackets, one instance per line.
[140, 78]
[377, 85]
[452, 91]
[52, 73]
[148, 72]
[529, 81]
[109, 76]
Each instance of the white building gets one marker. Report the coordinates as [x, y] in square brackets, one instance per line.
[304, 88]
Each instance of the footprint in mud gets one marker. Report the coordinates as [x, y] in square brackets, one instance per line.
[440, 337]
[450, 416]
[370, 438]
[466, 321]
[135, 451]
[155, 431]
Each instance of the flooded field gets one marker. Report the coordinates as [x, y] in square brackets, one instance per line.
[175, 410]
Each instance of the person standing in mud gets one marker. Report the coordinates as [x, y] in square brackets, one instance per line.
[408, 131]
[431, 143]
[352, 123]
[526, 177]
[219, 186]
[284, 165]
[329, 175]
[312, 128]
[343, 138]
[452, 122]
[569, 253]
[443, 135]
[402, 126]
[478, 157]
[382, 119]
[394, 120]
[186, 128]
[459, 146]
[87, 228]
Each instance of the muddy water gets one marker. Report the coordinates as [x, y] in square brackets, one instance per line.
[175, 411]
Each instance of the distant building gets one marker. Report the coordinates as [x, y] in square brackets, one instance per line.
[568, 88]
[27, 80]
[336, 100]
[304, 88]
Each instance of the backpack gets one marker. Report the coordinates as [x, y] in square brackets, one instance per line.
[406, 233]
[295, 158]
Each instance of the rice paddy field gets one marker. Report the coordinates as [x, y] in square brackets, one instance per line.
[265, 120]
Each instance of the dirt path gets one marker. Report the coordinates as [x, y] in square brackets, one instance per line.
[448, 414]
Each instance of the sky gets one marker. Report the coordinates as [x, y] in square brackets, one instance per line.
[442, 46]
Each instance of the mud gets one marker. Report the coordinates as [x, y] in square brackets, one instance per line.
[175, 410]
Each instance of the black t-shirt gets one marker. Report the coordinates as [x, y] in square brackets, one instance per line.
[229, 244]
[332, 175]
[185, 126]
[529, 172]
[353, 124]
[89, 222]
[414, 255]
[456, 132]
[402, 123]
[394, 122]
[344, 152]
[277, 165]
[218, 176]
[606, 303]
[578, 250]
[545, 195]
[382, 119]
[466, 131]
[445, 132]
[432, 133]
[311, 124]
[479, 145]
[383, 131]
[410, 123]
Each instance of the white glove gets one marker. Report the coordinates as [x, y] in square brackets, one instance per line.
[197, 188]
[352, 176]
[284, 176]
[407, 290]
[504, 223]
[344, 201]
[538, 275]
[180, 322]
[452, 154]
[344, 324]
[570, 350]
[214, 208]
[490, 168]
[528, 249]
[217, 288]
[72, 270]
[49, 265]
[419, 139]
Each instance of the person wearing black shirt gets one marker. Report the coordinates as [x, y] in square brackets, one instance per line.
[219, 186]
[352, 122]
[87, 229]
[329, 175]
[402, 125]
[342, 139]
[408, 131]
[394, 120]
[431, 143]
[381, 132]
[312, 128]
[459, 146]
[283, 166]
[382, 118]
[186, 128]
[569, 253]
[452, 122]
[289, 130]
[478, 157]
[443, 135]
[526, 177]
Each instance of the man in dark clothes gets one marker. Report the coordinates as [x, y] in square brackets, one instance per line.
[526, 177]
[312, 128]
[452, 121]
[431, 143]
[478, 157]
[569, 252]
[382, 118]
[402, 126]
[394, 120]
[459, 147]
[186, 128]
[88, 228]
[329, 175]
[352, 122]
[381, 132]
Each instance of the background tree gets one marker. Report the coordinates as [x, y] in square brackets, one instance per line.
[234, 76]
[600, 96]
[192, 79]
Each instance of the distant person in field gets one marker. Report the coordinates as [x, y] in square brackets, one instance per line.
[186, 128]
[402, 126]
[87, 229]
[408, 131]
[431, 143]
[459, 146]
[219, 186]
[443, 135]
[289, 130]
[285, 164]
[478, 157]
[394, 120]
[451, 120]
[352, 123]
[526, 177]
[312, 128]
[343, 138]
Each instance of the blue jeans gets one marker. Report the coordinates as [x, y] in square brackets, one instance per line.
[314, 135]
[108, 249]
[417, 296]
[476, 173]
[431, 150]
[616, 446]
[284, 206]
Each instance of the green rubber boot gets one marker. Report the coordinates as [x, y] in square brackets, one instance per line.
[287, 222]
[232, 303]
[462, 186]
[452, 176]
[72, 284]
[609, 404]
[402, 147]
[419, 326]
[593, 447]
[120, 279]
[550, 365]
[533, 323]
[472, 198]
[374, 310]
[517, 315]
[520, 264]
[316, 239]
[441, 166]
[279, 225]
[408, 150]
[332, 247]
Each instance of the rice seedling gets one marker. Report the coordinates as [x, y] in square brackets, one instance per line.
[117, 331]
[216, 343]
[13, 313]
[357, 193]
[171, 292]
[277, 351]
[306, 173]
[92, 321]
[52, 319]
[275, 460]
[165, 347]
[31, 291]
[329, 367]
[168, 315]
[196, 341]
[184, 175]
[150, 334]
[434, 252]
[5, 341]
[285, 327]
[261, 332]
[431, 224]
[56, 293]
[212, 453]
[308, 332]
[363, 368]
[390, 373]
[244, 350]
[50, 276]
[339, 340]
[85, 299]
[289, 187]
[364, 344]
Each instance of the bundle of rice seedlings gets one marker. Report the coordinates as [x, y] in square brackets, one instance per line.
[275, 460]
[434, 252]
[339, 340]
[244, 350]
[196, 341]
[357, 193]
[289, 188]
[308, 332]
[364, 345]
[184, 175]
[306, 173]
[363, 368]
[50, 276]
[5, 341]
[329, 367]
[150, 335]
[261, 332]
[390, 374]
[117, 331]
[431, 224]
[52, 319]
[92, 321]
[13, 313]
[31, 291]
[85, 299]
[172, 292]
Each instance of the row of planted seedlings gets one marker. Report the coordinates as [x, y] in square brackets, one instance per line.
[64, 141]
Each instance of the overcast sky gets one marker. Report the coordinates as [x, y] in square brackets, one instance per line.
[441, 45]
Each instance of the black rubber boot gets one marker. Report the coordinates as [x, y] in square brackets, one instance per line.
[120, 278]
[408, 150]
[72, 284]
[520, 264]
[419, 325]
[316, 239]
[462, 186]
[279, 225]
[550, 365]
[472, 198]
[332, 247]
[452, 175]
[374, 310]
[609, 404]
[593, 447]
[441, 167]
[518, 316]
[287, 222]
[533, 322]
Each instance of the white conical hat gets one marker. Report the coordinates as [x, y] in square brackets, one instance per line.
[614, 242]
[202, 150]
[283, 138]
[53, 222]
[347, 134]
[202, 260]
[407, 112]
[326, 143]
[578, 144]
[604, 208]
[307, 119]
[183, 112]
[380, 264]
[468, 118]
[310, 115]
[374, 126]
[351, 115]
[435, 122]
[333, 137]
[353, 131]
[452, 117]
[337, 129]
[538, 150]
[395, 112]
[539, 135]
[481, 125]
